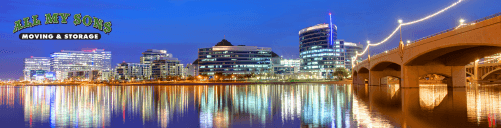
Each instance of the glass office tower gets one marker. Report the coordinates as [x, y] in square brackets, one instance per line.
[84, 60]
[35, 66]
[228, 59]
[350, 51]
[319, 50]
[151, 55]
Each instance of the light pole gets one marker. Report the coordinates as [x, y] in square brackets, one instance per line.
[400, 27]
[369, 61]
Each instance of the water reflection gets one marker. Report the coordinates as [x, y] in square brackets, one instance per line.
[430, 96]
[484, 105]
[305, 105]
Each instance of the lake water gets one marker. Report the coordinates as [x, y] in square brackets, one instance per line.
[289, 105]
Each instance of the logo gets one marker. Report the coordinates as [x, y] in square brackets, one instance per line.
[62, 18]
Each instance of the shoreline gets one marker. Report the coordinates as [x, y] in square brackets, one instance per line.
[180, 83]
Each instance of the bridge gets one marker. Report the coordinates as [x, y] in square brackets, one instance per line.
[490, 72]
[445, 53]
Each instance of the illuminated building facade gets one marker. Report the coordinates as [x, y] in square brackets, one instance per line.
[319, 50]
[36, 67]
[89, 75]
[491, 59]
[351, 50]
[191, 69]
[228, 59]
[84, 60]
[151, 55]
[165, 67]
[132, 71]
[286, 66]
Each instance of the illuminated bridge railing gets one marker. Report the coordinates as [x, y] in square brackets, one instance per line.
[442, 32]
[466, 24]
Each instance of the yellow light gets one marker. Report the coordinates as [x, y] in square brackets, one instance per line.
[400, 21]
[409, 23]
[408, 41]
[461, 21]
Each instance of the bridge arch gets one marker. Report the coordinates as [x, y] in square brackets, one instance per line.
[454, 54]
[491, 74]
[362, 76]
[445, 53]
[449, 61]
[383, 69]
[469, 74]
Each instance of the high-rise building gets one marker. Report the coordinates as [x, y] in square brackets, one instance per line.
[164, 67]
[151, 55]
[132, 71]
[227, 59]
[351, 50]
[85, 60]
[35, 67]
[319, 50]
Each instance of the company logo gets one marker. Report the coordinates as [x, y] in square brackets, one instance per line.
[62, 18]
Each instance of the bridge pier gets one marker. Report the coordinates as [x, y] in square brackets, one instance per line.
[375, 78]
[456, 75]
[361, 78]
[410, 77]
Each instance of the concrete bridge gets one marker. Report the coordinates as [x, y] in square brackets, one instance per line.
[445, 53]
[484, 72]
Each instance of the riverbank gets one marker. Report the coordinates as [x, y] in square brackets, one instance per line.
[180, 83]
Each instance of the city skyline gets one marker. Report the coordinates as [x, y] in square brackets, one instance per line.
[251, 24]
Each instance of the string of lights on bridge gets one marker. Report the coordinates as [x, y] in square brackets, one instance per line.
[405, 24]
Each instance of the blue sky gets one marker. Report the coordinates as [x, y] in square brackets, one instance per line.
[183, 26]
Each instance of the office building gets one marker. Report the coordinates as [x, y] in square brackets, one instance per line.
[318, 49]
[226, 59]
[35, 68]
[84, 60]
[351, 50]
[151, 55]
[88, 75]
[192, 69]
[291, 62]
[165, 67]
[132, 71]
[285, 66]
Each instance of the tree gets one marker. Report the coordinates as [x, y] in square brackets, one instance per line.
[340, 73]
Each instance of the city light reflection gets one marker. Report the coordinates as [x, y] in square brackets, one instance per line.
[431, 96]
[484, 105]
[313, 105]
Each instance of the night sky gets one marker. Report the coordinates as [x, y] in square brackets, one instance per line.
[183, 26]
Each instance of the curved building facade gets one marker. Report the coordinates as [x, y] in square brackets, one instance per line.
[351, 50]
[319, 50]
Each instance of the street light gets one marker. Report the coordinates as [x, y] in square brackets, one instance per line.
[461, 21]
[400, 21]
[408, 41]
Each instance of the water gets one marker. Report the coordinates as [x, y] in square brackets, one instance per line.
[289, 105]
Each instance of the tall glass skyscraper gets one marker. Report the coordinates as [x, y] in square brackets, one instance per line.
[85, 60]
[33, 65]
[319, 50]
